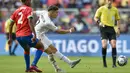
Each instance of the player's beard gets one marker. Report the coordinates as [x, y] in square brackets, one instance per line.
[109, 5]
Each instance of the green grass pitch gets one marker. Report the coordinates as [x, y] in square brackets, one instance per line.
[15, 64]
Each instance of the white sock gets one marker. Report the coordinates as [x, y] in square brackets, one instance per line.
[53, 62]
[62, 57]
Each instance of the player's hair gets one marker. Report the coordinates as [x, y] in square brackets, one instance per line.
[23, 1]
[52, 8]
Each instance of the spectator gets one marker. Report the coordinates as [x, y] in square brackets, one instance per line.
[59, 3]
[1, 4]
[17, 3]
[43, 3]
[80, 26]
[80, 4]
[72, 4]
[86, 10]
[8, 4]
[87, 2]
[36, 4]
[127, 5]
[119, 5]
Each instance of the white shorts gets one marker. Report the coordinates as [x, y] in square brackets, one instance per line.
[44, 39]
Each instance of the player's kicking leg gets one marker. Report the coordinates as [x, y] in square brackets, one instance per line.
[64, 58]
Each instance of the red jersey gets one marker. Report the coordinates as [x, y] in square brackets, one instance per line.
[21, 18]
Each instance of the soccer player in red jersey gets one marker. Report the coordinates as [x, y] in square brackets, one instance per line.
[25, 34]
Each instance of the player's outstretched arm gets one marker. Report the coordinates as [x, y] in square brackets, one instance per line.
[10, 31]
[31, 24]
[63, 31]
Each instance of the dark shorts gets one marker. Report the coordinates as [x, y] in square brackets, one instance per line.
[108, 33]
[13, 36]
[26, 41]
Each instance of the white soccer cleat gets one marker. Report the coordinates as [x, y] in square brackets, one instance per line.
[74, 63]
[60, 71]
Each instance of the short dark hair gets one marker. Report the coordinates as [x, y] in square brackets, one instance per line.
[52, 8]
[23, 1]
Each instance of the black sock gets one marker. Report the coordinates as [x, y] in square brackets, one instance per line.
[104, 56]
[114, 53]
[9, 50]
[15, 48]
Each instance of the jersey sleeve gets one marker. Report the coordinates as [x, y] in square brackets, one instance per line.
[117, 15]
[51, 26]
[30, 13]
[98, 12]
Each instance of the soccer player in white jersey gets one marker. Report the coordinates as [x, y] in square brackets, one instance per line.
[43, 25]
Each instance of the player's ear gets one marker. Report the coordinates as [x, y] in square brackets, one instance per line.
[51, 12]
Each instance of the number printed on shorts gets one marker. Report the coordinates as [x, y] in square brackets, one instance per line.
[20, 19]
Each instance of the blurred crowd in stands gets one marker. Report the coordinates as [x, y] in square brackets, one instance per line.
[77, 13]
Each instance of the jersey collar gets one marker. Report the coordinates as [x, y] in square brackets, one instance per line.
[107, 6]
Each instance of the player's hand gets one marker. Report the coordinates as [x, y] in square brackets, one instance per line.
[98, 22]
[33, 39]
[73, 29]
[118, 32]
[101, 24]
[10, 41]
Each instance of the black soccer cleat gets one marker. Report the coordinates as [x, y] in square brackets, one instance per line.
[105, 66]
[114, 66]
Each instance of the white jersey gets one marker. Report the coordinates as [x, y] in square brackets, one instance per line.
[44, 24]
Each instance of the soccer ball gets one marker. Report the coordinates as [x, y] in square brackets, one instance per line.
[122, 60]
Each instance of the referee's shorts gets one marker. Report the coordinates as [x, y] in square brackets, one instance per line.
[13, 36]
[108, 33]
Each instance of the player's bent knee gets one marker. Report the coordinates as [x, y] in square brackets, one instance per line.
[54, 51]
[48, 51]
[39, 45]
